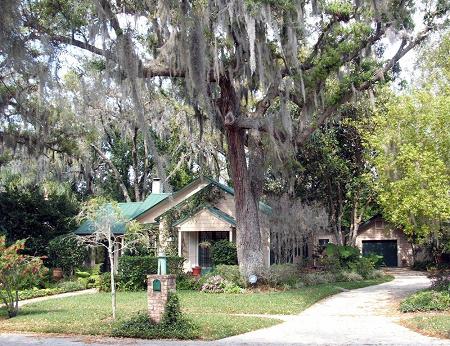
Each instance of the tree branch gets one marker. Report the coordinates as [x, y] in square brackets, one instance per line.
[115, 172]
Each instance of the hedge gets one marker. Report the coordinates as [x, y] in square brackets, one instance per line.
[133, 270]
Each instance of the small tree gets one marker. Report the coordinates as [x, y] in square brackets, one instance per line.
[112, 230]
[16, 271]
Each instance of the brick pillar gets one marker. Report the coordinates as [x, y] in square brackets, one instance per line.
[157, 299]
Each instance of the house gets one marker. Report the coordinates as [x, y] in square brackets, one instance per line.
[377, 236]
[211, 220]
[214, 219]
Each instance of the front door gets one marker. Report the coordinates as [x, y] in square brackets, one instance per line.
[204, 251]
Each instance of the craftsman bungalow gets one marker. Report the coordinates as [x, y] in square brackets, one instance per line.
[210, 221]
[214, 220]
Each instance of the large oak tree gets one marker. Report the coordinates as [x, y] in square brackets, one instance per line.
[265, 73]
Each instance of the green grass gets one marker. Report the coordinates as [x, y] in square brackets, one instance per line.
[91, 314]
[435, 325]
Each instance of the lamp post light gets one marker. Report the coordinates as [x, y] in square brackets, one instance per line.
[162, 263]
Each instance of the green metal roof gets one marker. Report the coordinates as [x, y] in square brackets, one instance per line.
[215, 211]
[132, 210]
[129, 210]
[152, 200]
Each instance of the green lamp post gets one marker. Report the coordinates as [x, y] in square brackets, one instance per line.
[162, 263]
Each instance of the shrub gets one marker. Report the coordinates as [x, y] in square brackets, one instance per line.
[172, 326]
[426, 301]
[231, 287]
[363, 266]
[281, 274]
[188, 282]
[62, 287]
[375, 259]
[82, 274]
[66, 253]
[421, 265]
[311, 279]
[344, 254]
[224, 252]
[376, 274]
[214, 284]
[230, 273]
[70, 286]
[104, 282]
[441, 281]
[133, 270]
[348, 276]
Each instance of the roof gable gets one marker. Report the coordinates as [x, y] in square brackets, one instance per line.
[217, 213]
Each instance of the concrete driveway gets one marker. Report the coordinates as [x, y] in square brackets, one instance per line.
[365, 316]
[359, 317]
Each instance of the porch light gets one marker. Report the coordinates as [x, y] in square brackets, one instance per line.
[162, 263]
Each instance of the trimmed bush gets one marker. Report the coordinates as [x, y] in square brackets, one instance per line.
[281, 275]
[63, 287]
[311, 279]
[426, 301]
[188, 282]
[214, 284]
[172, 326]
[230, 273]
[348, 276]
[224, 252]
[133, 270]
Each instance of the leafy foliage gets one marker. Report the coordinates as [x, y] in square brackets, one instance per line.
[426, 301]
[16, 271]
[224, 252]
[35, 213]
[133, 270]
[172, 326]
[67, 253]
[412, 146]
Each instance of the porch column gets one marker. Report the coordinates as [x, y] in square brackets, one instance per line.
[179, 243]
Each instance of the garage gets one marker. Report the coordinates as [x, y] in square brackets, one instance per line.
[385, 248]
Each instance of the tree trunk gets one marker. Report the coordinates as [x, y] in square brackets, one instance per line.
[248, 236]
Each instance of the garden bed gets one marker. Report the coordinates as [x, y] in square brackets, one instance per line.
[44, 292]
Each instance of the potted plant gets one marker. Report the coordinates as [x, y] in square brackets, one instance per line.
[196, 271]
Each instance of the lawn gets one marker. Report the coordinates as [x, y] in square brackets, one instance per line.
[430, 324]
[90, 314]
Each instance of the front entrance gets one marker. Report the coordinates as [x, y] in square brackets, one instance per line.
[385, 248]
[204, 251]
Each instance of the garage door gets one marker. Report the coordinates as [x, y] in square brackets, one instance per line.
[385, 248]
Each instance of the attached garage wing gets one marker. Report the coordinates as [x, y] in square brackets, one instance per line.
[385, 248]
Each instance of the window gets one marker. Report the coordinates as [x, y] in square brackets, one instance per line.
[323, 242]
[379, 224]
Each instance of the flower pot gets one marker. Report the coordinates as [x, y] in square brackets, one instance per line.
[196, 271]
[57, 273]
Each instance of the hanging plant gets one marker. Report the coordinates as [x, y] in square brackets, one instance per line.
[205, 244]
